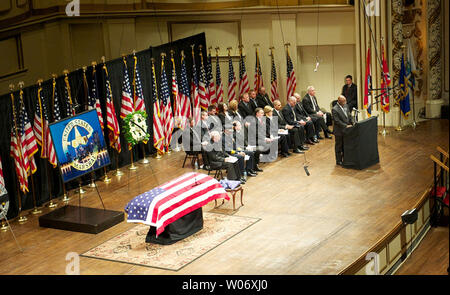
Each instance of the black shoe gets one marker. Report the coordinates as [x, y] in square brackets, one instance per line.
[258, 169]
[297, 151]
[339, 163]
[303, 148]
[253, 171]
[309, 141]
[284, 155]
[319, 137]
[328, 136]
[329, 131]
[316, 140]
[242, 181]
[251, 174]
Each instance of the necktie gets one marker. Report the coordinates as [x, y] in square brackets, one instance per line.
[316, 107]
[345, 113]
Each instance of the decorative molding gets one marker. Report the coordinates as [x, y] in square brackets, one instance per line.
[397, 38]
[434, 49]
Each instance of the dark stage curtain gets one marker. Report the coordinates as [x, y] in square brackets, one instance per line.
[47, 180]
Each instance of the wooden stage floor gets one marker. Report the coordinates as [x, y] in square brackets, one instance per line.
[309, 225]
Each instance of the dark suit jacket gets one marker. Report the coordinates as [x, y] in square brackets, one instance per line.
[194, 144]
[340, 120]
[246, 110]
[281, 121]
[263, 100]
[300, 112]
[253, 104]
[351, 94]
[308, 104]
[288, 115]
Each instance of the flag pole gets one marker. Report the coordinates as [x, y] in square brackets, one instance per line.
[35, 209]
[144, 159]
[118, 172]
[158, 155]
[106, 178]
[399, 127]
[66, 198]
[22, 219]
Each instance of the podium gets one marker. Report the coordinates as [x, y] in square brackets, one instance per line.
[361, 144]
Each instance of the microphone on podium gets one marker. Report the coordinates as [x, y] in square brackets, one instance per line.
[356, 110]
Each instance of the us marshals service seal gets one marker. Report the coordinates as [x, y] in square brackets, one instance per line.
[75, 141]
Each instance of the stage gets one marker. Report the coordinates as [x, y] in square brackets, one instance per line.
[316, 224]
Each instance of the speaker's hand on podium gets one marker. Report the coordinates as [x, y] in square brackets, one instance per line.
[348, 126]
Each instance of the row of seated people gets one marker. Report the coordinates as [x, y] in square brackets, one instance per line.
[254, 137]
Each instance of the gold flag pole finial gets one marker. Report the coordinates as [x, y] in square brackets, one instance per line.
[94, 63]
[11, 87]
[103, 58]
[21, 84]
[209, 49]
[217, 50]
[229, 50]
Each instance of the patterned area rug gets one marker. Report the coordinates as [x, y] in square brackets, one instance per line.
[130, 246]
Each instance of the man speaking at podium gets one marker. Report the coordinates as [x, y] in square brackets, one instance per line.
[342, 120]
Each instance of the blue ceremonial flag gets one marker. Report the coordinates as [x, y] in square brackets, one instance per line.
[403, 96]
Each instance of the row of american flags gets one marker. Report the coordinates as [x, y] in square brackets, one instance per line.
[172, 103]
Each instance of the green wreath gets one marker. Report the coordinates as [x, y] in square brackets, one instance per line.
[136, 128]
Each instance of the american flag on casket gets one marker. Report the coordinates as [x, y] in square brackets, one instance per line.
[166, 203]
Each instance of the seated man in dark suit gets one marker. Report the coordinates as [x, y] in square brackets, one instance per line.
[312, 124]
[235, 146]
[342, 120]
[217, 156]
[204, 126]
[253, 102]
[272, 130]
[263, 99]
[312, 108]
[292, 119]
[297, 134]
[245, 107]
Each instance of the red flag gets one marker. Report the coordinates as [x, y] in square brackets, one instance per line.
[368, 85]
[385, 82]
[111, 120]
